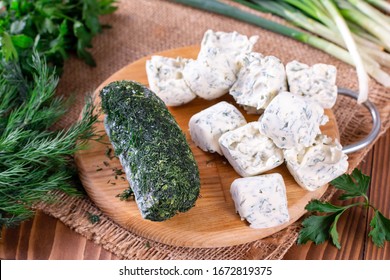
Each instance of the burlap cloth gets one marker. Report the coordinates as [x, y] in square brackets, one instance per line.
[140, 28]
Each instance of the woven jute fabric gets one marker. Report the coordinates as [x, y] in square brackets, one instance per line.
[140, 28]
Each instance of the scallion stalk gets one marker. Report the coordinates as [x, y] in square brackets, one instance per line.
[350, 13]
[380, 4]
[294, 16]
[352, 47]
[299, 35]
[372, 13]
[317, 28]
[313, 8]
[382, 57]
[217, 7]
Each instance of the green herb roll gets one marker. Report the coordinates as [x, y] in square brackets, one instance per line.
[152, 148]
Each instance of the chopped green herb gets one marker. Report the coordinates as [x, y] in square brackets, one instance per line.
[126, 194]
[93, 218]
[108, 153]
[118, 171]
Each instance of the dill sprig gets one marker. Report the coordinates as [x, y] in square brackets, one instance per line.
[35, 160]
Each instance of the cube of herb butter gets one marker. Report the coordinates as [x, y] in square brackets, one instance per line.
[220, 58]
[258, 81]
[317, 82]
[165, 78]
[261, 200]
[210, 78]
[317, 165]
[208, 125]
[248, 151]
[292, 121]
[234, 45]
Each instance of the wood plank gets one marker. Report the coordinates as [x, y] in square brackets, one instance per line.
[9, 243]
[92, 251]
[105, 255]
[41, 237]
[44, 237]
[23, 244]
[380, 194]
[66, 245]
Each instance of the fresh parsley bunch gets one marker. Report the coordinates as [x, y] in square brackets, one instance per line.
[53, 28]
[319, 228]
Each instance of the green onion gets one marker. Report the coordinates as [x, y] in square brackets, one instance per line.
[353, 50]
[227, 10]
[363, 42]
[352, 14]
[304, 37]
[381, 4]
[372, 13]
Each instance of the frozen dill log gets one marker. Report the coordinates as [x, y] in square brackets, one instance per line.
[152, 149]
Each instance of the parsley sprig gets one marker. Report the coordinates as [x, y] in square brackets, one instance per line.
[319, 228]
[53, 28]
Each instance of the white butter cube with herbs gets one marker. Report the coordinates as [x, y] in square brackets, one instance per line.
[261, 200]
[317, 165]
[220, 58]
[292, 121]
[209, 79]
[317, 82]
[165, 77]
[207, 126]
[233, 45]
[259, 81]
[248, 151]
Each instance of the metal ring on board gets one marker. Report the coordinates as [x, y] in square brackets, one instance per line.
[376, 123]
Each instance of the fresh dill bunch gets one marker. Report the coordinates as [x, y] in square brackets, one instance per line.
[35, 160]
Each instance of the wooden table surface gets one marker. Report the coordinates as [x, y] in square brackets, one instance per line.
[45, 237]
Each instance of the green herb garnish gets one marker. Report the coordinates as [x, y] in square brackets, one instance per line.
[126, 194]
[35, 160]
[319, 228]
[52, 28]
[320, 25]
[93, 218]
[35, 39]
[108, 153]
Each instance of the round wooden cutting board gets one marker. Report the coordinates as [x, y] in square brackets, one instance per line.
[213, 221]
